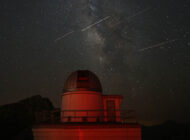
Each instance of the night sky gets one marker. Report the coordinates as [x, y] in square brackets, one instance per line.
[138, 48]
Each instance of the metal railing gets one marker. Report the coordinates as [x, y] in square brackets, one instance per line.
[55, 116]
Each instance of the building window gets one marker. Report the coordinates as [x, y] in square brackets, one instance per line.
[83, 76]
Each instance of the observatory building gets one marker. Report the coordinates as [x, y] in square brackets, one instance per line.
[87, 114]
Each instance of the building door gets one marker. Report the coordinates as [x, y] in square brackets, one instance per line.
[111, 110]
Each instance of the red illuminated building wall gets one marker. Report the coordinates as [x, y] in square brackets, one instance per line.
[86, 114]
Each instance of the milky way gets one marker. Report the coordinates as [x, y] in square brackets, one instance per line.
[139, 49]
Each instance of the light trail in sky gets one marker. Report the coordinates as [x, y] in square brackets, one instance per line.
[139, 13]
[97, 22]
[83, 29]
[65, 35]
[132, 16]
[158, 45]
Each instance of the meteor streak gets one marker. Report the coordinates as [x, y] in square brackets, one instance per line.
[65, 35]
[84, 29]
[139, 13]
[132, 16]
[158, 45]
[97, 22]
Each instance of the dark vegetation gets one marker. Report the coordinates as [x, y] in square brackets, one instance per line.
[17, 119]
[170, 130]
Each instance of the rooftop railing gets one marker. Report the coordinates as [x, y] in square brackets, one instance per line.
[55, 116]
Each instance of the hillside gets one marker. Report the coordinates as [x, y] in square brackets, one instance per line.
[17, 119]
